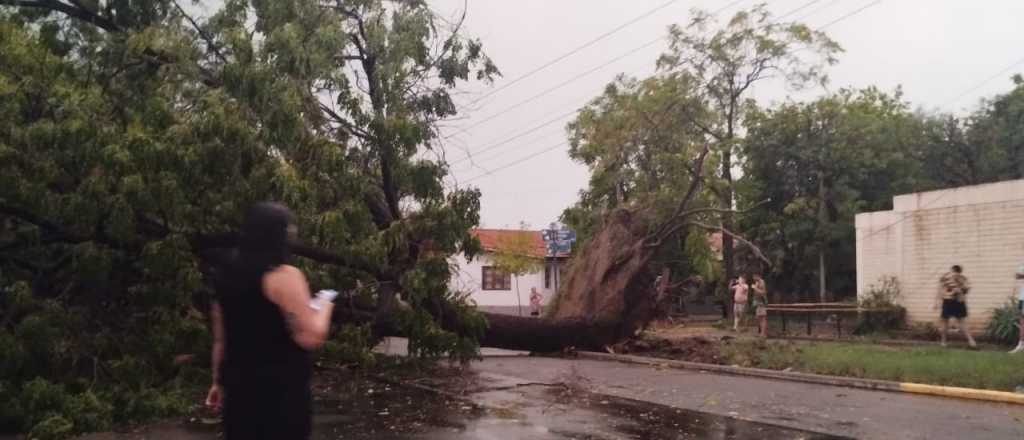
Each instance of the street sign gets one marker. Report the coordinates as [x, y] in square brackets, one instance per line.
[558, 241]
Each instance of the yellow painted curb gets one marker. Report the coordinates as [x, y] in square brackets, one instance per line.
[963, 393]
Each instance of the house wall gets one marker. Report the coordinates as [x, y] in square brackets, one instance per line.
[979, 227]
[468, 279]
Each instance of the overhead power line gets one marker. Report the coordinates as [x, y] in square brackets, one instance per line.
[572, 52]
[816, 11]
[981, 84]
[562, 84]
[580, 75]
[518, 161]
[519, 135]
[850, 14]
[524, 133]
[797, 9]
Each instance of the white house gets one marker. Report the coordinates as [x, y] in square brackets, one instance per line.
[495, 291]
[979, 227]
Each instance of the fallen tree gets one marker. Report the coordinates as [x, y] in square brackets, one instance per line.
[609, 294]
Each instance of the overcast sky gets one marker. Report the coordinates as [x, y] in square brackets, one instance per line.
[936, 50]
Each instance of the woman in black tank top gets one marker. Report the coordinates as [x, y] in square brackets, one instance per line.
[264, 330]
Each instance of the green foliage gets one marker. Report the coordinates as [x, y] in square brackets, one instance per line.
[1002, 326]
[351, 344]
[883, 313]
[819, 164]
[640, 137]
[132, 142]
[985, 146]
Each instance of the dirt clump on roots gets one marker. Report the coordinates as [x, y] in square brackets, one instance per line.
[694, 349]
[610, 281]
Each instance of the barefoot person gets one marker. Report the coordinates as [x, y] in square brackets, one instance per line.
[760, 305]
[739, 301]
[953, 289]
[264, 324]
[1020, 309]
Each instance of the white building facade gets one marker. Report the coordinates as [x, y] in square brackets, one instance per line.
[493, 290]
[978, 227]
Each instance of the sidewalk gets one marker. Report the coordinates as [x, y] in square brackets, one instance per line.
[822, 408]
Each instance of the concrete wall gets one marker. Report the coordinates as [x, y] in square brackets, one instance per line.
[468, 279]
[978, 227]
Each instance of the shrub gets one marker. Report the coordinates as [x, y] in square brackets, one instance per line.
[1002, 327]
[53, 428]
[884, 313]
[63, 375]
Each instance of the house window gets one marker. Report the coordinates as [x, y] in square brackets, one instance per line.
[494, 279]
[547, 276]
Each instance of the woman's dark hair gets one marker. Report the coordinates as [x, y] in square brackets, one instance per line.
[264, 244]
[264, 240]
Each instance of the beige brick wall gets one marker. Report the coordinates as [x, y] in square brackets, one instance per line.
[980, 228]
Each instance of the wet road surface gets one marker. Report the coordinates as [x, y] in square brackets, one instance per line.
[841, 411]
[493, 407]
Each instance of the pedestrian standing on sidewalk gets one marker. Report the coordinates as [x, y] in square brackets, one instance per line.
[760, 305]
[739, 301]
[535, 299]
[1020, 309]
[953, 289]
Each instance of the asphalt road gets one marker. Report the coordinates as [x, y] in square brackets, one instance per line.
[820, 408]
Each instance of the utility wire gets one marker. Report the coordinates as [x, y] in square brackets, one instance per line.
[527, 158]
[797, 9]
[572, 52]
[983, 83]
[518, 161]
[850, 14]
[562, 84]
[577, 77]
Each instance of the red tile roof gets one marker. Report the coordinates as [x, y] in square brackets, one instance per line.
[493, 240]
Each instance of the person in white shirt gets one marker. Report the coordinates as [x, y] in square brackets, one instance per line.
[1020, 309]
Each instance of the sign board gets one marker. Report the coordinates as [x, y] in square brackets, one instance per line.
[558, 241]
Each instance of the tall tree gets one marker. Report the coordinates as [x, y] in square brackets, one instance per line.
[986, 146]
[820, 163]
[134, 136]
[725, 62]
[638, 142]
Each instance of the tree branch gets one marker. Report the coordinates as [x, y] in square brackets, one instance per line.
[202, 33]
[721, 210]
[753, 247]
[68, 10]
[667, 228]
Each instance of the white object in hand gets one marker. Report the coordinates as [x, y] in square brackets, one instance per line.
[323, 297]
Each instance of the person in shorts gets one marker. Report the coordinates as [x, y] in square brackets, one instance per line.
[760, 305]
[1020, 308]
[953, 289]
[740, 291]
[535, 302]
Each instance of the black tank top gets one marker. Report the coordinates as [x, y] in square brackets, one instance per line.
[258, 342]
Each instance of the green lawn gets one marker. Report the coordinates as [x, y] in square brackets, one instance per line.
[931, 365]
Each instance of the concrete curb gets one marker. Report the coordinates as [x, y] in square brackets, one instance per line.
[868, 384]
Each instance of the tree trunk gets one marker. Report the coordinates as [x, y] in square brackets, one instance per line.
[519, 299]
[728, 258]
[822, 295]
[822, 222]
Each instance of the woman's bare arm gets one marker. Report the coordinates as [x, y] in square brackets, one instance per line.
[287, 287]
[217, 324]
